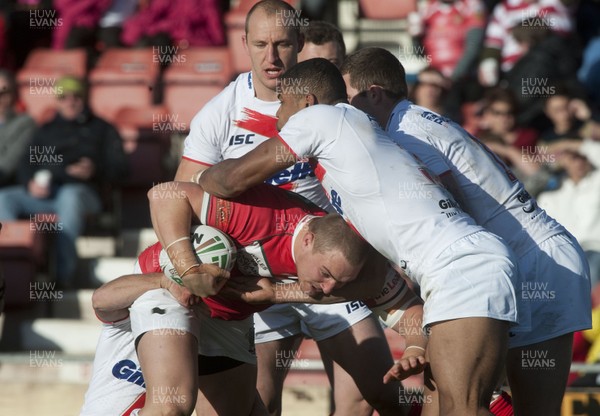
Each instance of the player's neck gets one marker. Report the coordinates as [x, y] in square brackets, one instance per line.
[263, 93]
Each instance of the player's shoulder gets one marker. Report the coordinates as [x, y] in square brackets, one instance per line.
[224, 102]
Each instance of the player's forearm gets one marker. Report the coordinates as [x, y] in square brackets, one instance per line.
[292, 293]
[112, 300]
[410, 326]
[222, 180]
[231, 177]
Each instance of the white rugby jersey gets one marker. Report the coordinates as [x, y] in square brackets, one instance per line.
[235, 122]
[491, 194]
[117, 386]
[384, 193]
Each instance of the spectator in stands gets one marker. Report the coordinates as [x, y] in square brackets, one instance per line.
[451, 33]
[68, 158]
[576, 203]
[548, 62]
[79, 22]
[515, 145]
[569, 116]
[430, 90]
[501, 49]
[181, 23]
[323, 40]
[15, 130]
[91, 24]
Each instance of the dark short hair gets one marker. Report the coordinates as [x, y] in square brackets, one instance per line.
[502, 95]
[271, 7]
[320, 32]
[315, 76]
[333, 233]
[376, 66]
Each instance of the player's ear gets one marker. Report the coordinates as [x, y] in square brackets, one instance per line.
[375, 94]
[245, 42]
[311, 99]
[308, 240]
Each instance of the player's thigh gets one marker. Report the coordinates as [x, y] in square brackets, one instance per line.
[347, 398]
[277, 337]
[466, 357]
[364, 342]
[166, 342]
[274, 359]
[231, 392]
[538, 374]
[169, 362]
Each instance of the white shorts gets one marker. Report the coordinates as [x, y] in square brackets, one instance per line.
[220, 338]
[317, 321]
[158, 311]
[556, 287]
[474, 277]
[117, 385]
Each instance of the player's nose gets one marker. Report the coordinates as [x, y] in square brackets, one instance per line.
[272, 55]
[328, 286]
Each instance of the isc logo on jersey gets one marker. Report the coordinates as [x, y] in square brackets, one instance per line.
[241, 139]
[212, 246]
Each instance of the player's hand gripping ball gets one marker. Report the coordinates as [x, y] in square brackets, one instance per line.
[212, 246]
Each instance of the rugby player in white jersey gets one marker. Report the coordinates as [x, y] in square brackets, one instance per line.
[554, 286]
[117, 386]
[466, 274]
[231, 124]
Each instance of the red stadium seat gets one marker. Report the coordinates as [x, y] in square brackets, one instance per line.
[22, 252]
[384, 23]
[184, 101]
[123, 78]
[386, 9]
[126, 66]
[107, 99]
[146, 133]
[200, 65]
[53, 63]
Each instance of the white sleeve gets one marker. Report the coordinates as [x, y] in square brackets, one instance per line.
[302, 136]
[203, 143]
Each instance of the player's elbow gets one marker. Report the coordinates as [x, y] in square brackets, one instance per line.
[100, 300]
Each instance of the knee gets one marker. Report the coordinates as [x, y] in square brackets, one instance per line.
[170, 409]
[385, 399]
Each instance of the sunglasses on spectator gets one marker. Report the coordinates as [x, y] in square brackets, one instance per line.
[65, 96]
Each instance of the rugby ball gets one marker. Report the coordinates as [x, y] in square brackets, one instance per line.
[212, 246]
